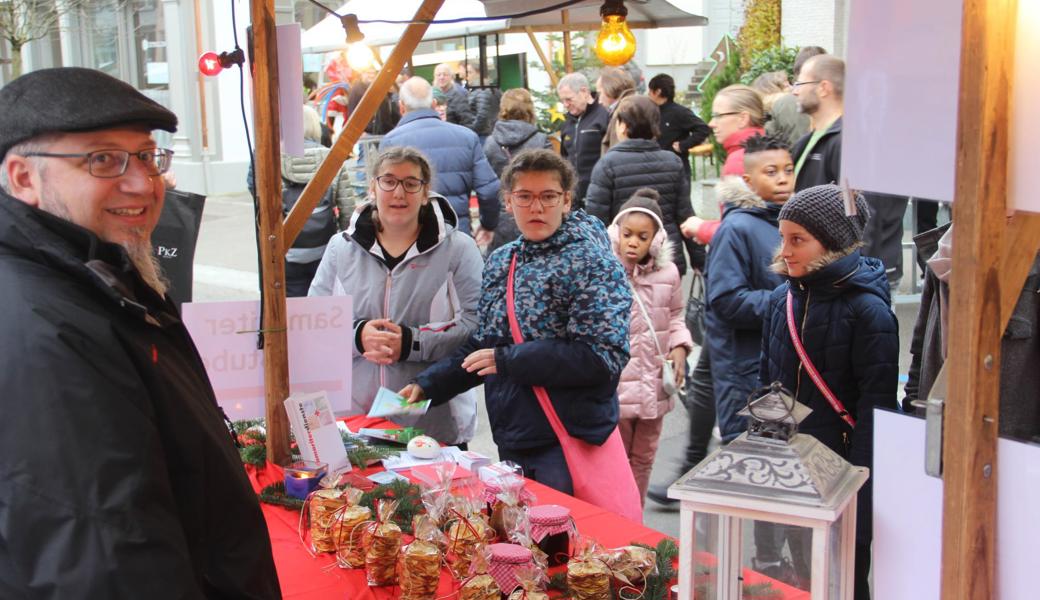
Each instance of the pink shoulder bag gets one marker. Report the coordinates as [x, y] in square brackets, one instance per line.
[601, 474]
[810, 368]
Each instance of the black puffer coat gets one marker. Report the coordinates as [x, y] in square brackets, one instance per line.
[118, 476]
[634, 164]
[850, 333]
[580, 143]
[483, 104]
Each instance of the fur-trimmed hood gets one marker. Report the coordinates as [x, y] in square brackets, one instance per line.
[661, 250]
[734, 191]
[835, 272]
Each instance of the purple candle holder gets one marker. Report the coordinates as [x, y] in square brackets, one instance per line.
[302, 478]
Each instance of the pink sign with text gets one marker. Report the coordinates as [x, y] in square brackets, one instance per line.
[320, 336]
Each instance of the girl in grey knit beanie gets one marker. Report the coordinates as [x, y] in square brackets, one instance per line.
[816, 227]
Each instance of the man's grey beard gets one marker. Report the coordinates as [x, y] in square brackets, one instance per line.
[147, 264]
[139, 248]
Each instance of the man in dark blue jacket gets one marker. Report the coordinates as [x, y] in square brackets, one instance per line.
[680, 128]
[458, 159]
[583, 131]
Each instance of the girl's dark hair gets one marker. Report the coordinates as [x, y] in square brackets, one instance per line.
[538, 161]
[642, 118]
[646, 199]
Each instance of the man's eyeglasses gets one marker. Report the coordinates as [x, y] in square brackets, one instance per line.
[799, 84]
[106, 164]
[389, 183]
[546, 199]
[725, 114]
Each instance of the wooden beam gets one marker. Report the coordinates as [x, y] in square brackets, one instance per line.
[272, 254]
[568, 60]
[546, 63]
[1021, 242]
[972, 409]
[358, 119]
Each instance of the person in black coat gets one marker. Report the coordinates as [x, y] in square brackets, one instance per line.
[583, 131]
[680, 128]
[120, 475]
[840, 305]
[638, 162]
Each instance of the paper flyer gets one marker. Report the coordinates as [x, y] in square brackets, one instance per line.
[388, 404]
[316, 432]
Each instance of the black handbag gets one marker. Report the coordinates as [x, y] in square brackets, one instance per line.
[695, 307]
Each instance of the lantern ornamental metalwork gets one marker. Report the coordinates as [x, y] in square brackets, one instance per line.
[769, 488]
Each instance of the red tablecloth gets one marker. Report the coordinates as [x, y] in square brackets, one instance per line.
[315, 578]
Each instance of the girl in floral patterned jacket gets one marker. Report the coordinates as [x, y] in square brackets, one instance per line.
[572, 304]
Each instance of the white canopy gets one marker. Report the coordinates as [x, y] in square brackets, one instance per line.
[651, 13]
[328, 34]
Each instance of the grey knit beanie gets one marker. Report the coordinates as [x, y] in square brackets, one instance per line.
[821, 211]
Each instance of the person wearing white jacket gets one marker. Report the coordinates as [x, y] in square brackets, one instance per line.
[415, 282]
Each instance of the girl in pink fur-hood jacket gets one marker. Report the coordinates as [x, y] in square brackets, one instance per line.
[656, 332]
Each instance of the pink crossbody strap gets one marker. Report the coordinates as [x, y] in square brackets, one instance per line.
[810, 368]
[518, 338]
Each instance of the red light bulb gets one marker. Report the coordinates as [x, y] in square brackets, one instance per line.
[209, 64]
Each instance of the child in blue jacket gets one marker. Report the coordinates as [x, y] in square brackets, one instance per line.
[739, 277]
[842, 313]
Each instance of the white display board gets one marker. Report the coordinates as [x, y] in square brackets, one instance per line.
[901, 84]
[908, 515]
[1025, 118]
[320, 338]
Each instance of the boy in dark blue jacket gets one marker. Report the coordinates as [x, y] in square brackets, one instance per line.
[739, 277]
[840, 307]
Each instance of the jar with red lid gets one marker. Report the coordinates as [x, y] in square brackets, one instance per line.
[551, 528]
[506, 560]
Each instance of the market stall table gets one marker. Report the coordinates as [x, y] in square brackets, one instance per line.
[304, 576]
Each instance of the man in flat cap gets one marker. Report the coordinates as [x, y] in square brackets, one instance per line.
[119, 477]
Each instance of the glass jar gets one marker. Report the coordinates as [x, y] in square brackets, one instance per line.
[551, 527]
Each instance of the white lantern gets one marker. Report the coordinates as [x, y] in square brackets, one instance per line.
[769, 486]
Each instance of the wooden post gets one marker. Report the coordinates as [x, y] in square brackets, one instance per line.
[568, 61]
[272, 253]
[358, 119]
[971, 420]
[546, 63]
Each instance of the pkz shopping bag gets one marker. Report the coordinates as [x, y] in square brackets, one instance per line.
[601, 474]
[174, 241]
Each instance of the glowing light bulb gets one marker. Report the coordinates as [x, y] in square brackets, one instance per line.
[615, 44]
[359, 57]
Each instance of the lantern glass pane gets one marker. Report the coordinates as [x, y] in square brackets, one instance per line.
[777, 559]
[705, 556]
[834, 549]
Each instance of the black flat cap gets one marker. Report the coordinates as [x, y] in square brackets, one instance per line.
[73, 99]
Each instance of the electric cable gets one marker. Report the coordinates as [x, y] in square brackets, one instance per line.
[252, 188]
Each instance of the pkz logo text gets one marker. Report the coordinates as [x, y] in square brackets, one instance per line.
[165, 252]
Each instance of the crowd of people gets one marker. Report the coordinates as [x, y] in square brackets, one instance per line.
[586, 269]
[561, 294]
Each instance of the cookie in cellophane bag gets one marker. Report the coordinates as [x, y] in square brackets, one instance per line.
[480, 585]
[323, 507]
[467, 530]
[382, 546]
[420, 571]
[588, 576]
[350, 530]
